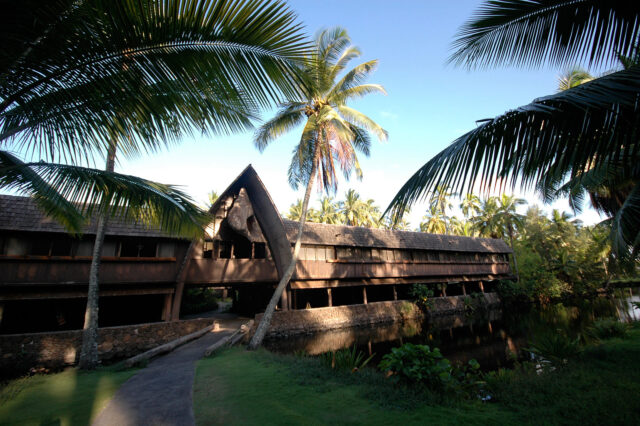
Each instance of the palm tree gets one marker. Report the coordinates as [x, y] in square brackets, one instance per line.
[510, 220]
[88, 78]
[352, 209]
[470, 205]
[295, 210]
[434, 223]
[573, 77]
[328, 212]
[213, 197]
[487, 222]
[592, 127]
[395, 223]
[332, 131]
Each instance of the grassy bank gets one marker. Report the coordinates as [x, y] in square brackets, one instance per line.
[239, 387]
[67, 398]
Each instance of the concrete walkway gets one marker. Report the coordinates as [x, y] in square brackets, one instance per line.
[162, 393]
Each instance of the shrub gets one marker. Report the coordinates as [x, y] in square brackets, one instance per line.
[421, 293]
[420, 364]
[555, 348]
[608, 328]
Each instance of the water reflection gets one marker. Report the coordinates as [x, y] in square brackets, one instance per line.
[495, 338]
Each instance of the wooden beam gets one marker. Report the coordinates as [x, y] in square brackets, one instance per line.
[481, 286]
[364, 295]
[329, 297]
[395, 293]
[166, 308]
[464, 289]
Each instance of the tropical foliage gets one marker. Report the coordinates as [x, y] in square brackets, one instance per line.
[577, 140]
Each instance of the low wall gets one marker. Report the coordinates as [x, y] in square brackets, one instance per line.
[286, 323]
[20, 352]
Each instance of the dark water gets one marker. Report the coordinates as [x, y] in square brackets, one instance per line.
[494, 338]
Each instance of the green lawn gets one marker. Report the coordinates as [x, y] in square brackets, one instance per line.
[68, 398]
[240, 387]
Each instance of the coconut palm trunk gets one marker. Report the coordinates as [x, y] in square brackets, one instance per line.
[89, 352]
[515, 261]
[264, 324]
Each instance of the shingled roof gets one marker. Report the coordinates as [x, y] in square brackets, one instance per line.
[23, 214]
[355, 236]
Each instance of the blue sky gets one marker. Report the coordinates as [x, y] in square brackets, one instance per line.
[429, 104]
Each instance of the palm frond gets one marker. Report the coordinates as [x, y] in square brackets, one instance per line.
[532, 32]
[16, 175]
[361, 120]
[288, 117]
[355, 77]
[555, 134]
[62, 188]
[356, 92]
[171, 61]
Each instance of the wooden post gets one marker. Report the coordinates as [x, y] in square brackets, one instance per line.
[294, 299]
[284, 300]
[490, 328]
[364, 294]
[395, 293]
[464, 290]
[329, 297]
[481, 286]
[166, 308]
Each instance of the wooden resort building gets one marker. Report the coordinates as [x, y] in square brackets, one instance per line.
[44, 271]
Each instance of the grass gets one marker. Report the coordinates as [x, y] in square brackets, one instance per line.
[71, 397]
[249, 388]
[600, 386]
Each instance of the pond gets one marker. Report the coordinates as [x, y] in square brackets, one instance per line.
[494, 338]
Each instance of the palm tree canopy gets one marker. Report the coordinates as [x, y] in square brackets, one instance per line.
[336, 129]
[573, 77]
[163, 65]
[558, 32]
[77, 75]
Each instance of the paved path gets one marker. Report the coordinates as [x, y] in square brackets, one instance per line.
[162, 393]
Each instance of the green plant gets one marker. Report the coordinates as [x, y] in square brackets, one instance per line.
[422, 365]
[422, 294]
[608, 328]
[555, 349]
[346, 359]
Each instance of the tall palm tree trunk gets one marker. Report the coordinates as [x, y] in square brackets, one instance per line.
[515, 261]
[261, 331]
[89, 352]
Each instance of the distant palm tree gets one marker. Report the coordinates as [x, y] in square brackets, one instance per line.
[352, 208]
[463, 228]
[470, 205]
[328, 212]
[370, 214]
[487, 222]
[434, 223]
[295, 212]
[572, 78]
[510, 220]
[213, 197]
[332, 133]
